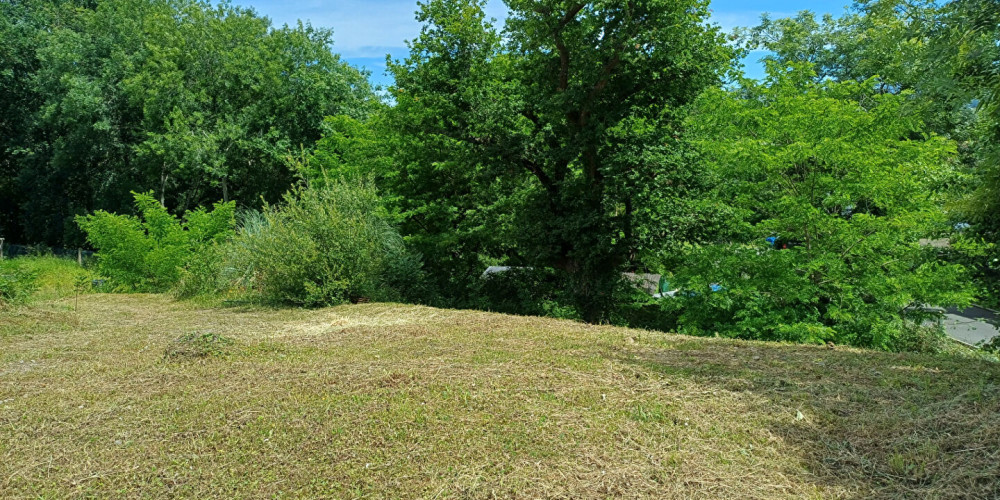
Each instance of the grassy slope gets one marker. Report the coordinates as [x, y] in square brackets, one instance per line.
[402, 401]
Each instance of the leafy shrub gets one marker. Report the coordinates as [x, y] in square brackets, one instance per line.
[992, 345]
[323, 246]
[148, 253]
[405, 280]
[548, 292]
[17, 284]
[637, 309]
[982, 259]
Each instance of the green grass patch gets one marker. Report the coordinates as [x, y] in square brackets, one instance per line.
[54, 277]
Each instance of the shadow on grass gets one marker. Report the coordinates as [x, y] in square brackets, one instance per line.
[880, 424]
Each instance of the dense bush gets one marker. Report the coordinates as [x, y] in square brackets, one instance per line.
[148, 253]
[322, 246]
[763, 293]
[526, 291]
[845, 213]
[58, 277]
[204, 273]
[982, 259]
[637, 309]
[17, 283]
[40, 277]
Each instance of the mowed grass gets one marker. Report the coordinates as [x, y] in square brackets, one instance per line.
[392, 401]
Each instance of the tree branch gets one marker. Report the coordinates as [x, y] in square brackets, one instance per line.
[532, 117]
[540, 175]
[561, 46]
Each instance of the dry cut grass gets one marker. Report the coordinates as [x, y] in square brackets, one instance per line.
[389, 401]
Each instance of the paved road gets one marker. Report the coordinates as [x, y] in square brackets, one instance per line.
[971, 326]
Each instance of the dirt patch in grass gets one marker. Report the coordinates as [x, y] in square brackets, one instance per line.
[390, 401]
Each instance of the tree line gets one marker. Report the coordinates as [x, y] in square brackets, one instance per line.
[194, 101]
[573, 142]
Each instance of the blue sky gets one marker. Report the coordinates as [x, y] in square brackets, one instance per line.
[366, 30]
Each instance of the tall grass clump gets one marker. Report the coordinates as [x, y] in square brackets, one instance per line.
[40, 277]
[17, 283]
[321, 246]
[56, 277]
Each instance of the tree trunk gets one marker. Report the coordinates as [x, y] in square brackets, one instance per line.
[163, 188]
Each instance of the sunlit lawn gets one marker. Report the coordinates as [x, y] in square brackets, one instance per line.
[394, 401]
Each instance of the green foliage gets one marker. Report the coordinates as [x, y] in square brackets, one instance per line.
[204, 274]
[551, 146]
[322, 246]
[845, 178]
[875, 39]
[56, 277]
[526, 291]
[17, 283]
[981, 257]
[193, 100]
[945, 54]
[20, 23]
[893, 44]
[992, 346]
[349, 149]
[919, 337]
[972, 35]
[148, 253]
[40, 278]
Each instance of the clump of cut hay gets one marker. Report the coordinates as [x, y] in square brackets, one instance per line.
[197, 345]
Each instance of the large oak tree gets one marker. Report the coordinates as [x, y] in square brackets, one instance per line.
[559, 132]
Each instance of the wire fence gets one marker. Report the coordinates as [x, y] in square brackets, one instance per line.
[10, 251]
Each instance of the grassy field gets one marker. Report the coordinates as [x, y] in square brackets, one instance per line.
[390, 401]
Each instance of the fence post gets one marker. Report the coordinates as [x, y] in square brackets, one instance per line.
[1, 248]
[79, 256]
